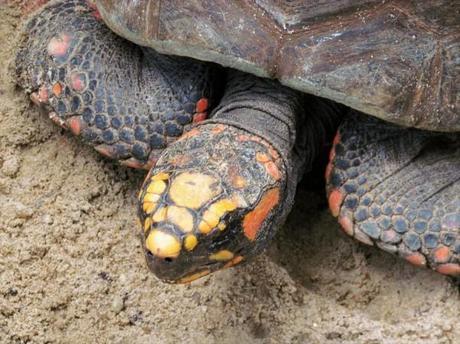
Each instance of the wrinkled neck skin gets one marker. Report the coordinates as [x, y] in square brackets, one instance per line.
[295, 124]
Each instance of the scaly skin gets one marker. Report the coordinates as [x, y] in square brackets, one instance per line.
[398, 189]
[127, 102]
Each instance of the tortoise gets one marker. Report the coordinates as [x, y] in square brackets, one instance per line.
[227, 104]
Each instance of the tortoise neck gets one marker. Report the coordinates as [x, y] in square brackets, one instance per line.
[296, 125]
[262, 107]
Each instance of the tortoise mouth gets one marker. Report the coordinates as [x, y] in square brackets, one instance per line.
[180, 270]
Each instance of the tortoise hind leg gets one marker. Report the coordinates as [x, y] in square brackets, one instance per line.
[126, 102]
[398, 189]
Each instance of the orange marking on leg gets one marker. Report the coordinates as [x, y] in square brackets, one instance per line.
[273, 170]
[202, 105]
[57, 89]
[59, 45]
[416, 259]
[346, 225]
[252, 222]
[74, 124]
[441, 254]
[450, 269]
[199, 117]
[335, 201]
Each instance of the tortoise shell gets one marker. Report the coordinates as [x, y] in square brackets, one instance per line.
[397, 60]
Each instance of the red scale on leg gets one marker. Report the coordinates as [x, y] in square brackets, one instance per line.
[335, 201]
[75, 125]
[201, 110]
[59, 45]
[450, 269]
[416, 259]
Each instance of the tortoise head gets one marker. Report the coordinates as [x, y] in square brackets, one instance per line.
[209, 209]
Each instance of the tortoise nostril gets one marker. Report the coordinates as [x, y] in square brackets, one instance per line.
[168, 259]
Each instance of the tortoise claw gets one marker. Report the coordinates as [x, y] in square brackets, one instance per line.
[75, 124]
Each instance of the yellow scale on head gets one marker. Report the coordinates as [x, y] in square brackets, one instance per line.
[154, 191]
[222, 255]
[214, 213]
[189, 191]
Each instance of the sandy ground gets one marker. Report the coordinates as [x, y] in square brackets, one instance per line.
[72, 270]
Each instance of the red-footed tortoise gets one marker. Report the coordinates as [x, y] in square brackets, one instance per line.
[226, 149]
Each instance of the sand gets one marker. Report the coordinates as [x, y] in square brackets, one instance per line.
[72, 268]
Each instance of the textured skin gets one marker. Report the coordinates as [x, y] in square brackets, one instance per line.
[255, 148]
[128, 102]
[396, 59]
[398, 189]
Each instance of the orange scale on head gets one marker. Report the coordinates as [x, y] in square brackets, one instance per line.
[243, 138]
[218, 129]
[274, 153]
[262, 157]
[252, 222]
[273, 170]
[236, 260]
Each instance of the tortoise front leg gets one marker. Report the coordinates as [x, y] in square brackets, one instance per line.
[399, 189]
[127, 102]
